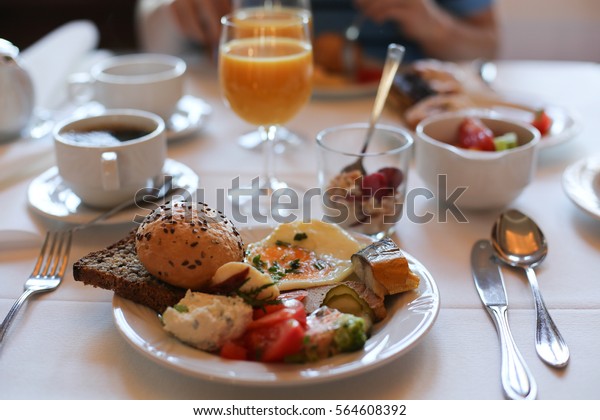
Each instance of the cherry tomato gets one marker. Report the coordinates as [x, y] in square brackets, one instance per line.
[283, 299]
[273, 314]
[273, 343]
[473, 134]
[234, 351]
[542, 122]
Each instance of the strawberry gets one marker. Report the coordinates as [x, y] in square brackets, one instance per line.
[473, 134]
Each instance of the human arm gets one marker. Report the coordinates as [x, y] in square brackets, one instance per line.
[440, 34]
[168, 25]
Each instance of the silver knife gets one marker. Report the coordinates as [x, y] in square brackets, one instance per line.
[517, 381]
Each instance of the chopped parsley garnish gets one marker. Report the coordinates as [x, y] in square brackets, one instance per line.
[258, 263]
[294, 266]
[181, 308]
[251, 296]
[319, 265]
[300, 236]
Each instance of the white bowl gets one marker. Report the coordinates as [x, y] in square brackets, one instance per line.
[492, 179]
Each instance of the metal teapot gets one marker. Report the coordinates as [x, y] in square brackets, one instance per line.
[16, 94]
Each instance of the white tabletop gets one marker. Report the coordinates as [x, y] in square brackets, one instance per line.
[64, 345]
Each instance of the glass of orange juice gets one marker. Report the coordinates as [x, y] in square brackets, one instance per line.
[285, 136]
[265, 74]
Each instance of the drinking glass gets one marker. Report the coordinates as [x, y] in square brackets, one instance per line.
[265, 74]
[285, 136]
[370, 203]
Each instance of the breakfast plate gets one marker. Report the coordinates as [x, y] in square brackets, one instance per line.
[50, 197]
[410, 317]
[581, 183]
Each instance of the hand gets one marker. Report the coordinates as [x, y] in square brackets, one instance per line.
[440, 34]
[199, 20]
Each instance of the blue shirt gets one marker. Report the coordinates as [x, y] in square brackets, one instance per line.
[337, 15]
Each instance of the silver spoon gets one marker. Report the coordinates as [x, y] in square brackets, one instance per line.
[153, 195]
[395, 53]
[487, 72]
[519, 242]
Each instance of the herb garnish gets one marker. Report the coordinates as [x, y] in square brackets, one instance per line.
[320, 265]
[251, 296]
[258, 263]
[276, 272]
[300, 236]
[181, 308]
[294, 266]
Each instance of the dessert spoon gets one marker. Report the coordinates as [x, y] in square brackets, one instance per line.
[519, 242]
[394, 56]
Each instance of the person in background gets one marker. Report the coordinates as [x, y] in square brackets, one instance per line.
[443, 29]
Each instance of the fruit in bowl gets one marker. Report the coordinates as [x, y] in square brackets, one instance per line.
[488, 178]
[372, 197]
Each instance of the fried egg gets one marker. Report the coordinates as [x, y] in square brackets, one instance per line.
[301, 255]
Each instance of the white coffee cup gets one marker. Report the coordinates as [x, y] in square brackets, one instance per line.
[150, 82]
[105, 159]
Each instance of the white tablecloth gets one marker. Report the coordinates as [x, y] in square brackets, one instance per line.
[64, 345]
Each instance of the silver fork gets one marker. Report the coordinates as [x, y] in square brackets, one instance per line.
[47, 274]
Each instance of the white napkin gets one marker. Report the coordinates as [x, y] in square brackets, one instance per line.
[49, 62]
[51, 59]
[23, 158]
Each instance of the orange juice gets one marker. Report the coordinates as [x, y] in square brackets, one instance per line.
[266, 81]
[280, 22]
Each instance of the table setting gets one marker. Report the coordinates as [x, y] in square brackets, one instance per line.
[473, 326]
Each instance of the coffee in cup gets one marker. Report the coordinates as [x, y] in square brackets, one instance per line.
[106, 159]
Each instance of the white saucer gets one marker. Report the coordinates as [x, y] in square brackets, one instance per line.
[50, 197]
[581, 183]
[191, 116]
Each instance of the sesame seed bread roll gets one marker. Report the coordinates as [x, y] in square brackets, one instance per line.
[184, 244]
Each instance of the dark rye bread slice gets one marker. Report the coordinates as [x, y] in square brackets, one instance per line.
[117, 268]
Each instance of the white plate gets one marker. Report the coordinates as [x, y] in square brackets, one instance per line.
[566, 124]
[51, 198]
[410, 316]
[581, 183]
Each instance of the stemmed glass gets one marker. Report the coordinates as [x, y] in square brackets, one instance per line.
[265, 73]
[253, 139]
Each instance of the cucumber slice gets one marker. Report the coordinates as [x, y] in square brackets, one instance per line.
[506, 141]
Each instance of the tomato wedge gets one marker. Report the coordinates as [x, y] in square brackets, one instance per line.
[272, 314]
[234, 351]
[275, 342]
